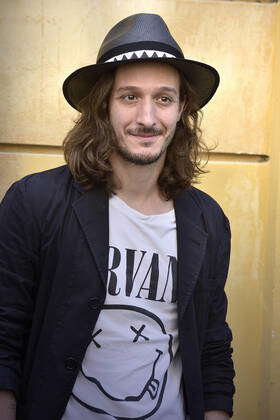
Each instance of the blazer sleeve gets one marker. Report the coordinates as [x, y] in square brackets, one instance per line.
[217, 365]
[18, 262]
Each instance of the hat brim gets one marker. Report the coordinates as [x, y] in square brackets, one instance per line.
[203, 78]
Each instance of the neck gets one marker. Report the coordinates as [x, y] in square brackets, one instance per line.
[138, 186]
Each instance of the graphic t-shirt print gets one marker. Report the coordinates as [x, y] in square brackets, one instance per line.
[141, 392]
[132, 368]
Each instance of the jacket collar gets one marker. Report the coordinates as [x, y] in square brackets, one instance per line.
[92, 211]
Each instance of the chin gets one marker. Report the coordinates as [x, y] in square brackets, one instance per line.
[139, 158]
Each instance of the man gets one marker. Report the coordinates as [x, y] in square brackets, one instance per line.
[113, 267]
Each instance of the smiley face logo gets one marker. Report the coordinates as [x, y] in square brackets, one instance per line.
[124, 371]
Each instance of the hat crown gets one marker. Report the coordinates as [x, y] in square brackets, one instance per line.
[140, 31]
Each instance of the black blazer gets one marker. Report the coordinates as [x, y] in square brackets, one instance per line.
[53, 273]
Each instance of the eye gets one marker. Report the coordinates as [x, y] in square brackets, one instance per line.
[165, 100]
[129, 98]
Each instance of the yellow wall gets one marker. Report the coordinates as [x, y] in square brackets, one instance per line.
[272, 324]
[44, 41]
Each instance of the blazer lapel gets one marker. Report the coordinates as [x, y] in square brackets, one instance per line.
[92, 211]
[191, 242]
[93, 214]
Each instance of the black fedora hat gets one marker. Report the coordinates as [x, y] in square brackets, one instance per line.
[141, 37]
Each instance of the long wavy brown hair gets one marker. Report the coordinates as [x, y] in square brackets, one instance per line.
[89, 144]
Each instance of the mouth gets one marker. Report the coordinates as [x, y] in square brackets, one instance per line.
[145, 133]
[145, 140]
[145, 137]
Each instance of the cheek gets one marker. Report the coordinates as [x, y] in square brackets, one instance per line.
[170, 117]
[119, 120]
[171, 121]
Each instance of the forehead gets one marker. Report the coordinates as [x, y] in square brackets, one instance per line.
[142, 75]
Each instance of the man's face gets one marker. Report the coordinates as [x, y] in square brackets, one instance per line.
[144, 108]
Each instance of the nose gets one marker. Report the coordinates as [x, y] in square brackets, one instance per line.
[146, 113]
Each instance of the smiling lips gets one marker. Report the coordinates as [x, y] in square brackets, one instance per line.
[145, 139]
[145, 134]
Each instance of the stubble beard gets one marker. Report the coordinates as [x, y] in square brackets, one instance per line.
[138, 158]
[142, 159]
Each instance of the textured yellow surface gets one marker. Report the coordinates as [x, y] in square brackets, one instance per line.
[272, 325]
[47, 41]
[44, 41]
[240, 188]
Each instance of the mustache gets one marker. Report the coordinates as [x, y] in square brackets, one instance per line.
[148, 131]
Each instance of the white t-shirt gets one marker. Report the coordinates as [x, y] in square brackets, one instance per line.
[132, 368]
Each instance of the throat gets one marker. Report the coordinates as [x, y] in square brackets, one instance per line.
[147, 205]
[138, 186]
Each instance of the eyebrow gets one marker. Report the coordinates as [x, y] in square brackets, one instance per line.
[161, 88]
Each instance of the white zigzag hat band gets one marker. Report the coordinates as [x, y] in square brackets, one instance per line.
[132, 55]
